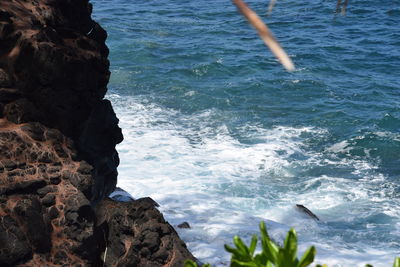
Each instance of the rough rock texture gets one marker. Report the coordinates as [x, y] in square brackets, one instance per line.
[54, 70]
[45, 216]
[57, 148]
[139, 236]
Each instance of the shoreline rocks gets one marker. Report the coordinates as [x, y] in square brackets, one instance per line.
[139, 235]
[58, 161]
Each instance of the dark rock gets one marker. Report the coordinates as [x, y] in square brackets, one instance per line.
[47, 189]
[55, 48]
[5, 81]
[49, 200]
[85, 168]
[60, 151]
[150, 240]
[7, 94]
[303, 209]
[34, 130]
[55, 180]
[9, 164]
[53, 213]
[14, 247]
[29, 212]
[22, 187]
[81, 182]
[57, 150]
[97, 143]
[19, 111]
[184, 225]
[147, 201]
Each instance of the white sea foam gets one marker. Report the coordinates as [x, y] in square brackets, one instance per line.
[199, 173]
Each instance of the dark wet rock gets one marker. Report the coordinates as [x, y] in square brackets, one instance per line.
[305, 210]
[184, 225]
[147, 201]
[97, 144]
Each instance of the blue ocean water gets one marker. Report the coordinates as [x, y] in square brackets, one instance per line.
[220, 135]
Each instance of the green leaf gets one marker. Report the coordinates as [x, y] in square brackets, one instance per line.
[308, 257]
[282, 261]
[236, 262]
[368, 265]
[263, 230]
[253, 245]
[236, 253]
[261, 259]
[269, 249]
[290, 246]
[272, 251]
[396, 262]
[190, 263]
[241, 246]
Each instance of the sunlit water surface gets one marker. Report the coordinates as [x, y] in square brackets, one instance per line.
[222, 137]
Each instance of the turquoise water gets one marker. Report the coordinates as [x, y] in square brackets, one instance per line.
[222, 137]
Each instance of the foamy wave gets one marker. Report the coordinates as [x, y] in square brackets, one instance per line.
[201, 174]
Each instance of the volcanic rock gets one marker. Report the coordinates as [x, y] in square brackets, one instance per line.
[184, 225]
[58, 161]
[139, 236]
[53, 72]
[39, 217]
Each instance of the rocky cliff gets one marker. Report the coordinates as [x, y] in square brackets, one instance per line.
[58, 161]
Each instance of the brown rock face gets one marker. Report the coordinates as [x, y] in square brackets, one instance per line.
[139, 235]
[57, 148]
[43, 207]
[50, 64]
[54, 70]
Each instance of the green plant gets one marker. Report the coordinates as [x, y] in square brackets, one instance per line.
[190, 263]
[396, 262]
[271, 254]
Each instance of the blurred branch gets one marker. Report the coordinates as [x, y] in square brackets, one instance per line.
[271, 6]
[341, 7]
[265, 34]
[338, 4]
[344, 7]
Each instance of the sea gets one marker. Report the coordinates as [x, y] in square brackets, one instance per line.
[222, 137]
